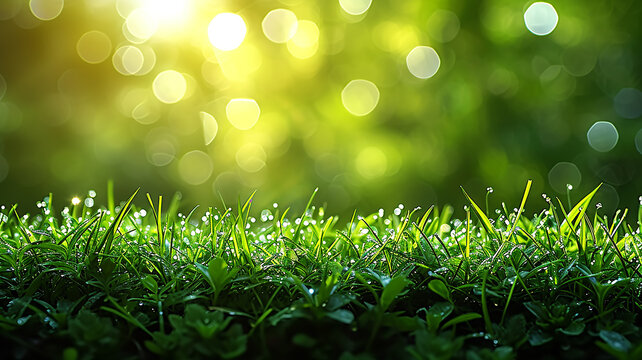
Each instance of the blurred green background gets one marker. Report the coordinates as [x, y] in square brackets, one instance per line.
[165, 94]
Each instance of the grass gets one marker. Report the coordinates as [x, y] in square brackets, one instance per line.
[128, 282]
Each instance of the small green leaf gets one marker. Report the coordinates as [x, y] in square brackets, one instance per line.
[461, 318]
[341, 315]
[537, 338]
[437, 313]
[217, 269]
[440, 288]
[537, 309]
[616, 340]
[391, 290]
[149, 283]
[574, 329]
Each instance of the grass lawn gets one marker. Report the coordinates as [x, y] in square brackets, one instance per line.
[125, 282]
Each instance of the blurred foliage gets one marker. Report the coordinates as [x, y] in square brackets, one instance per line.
[504, 106]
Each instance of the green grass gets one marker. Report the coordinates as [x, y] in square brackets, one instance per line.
[238, 282]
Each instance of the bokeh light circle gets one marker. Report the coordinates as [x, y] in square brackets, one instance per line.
[251, 157]
[602, 136]
[195, 167]
[169, 86]
[141, 23]
[541, 18]
[628, 103]
[371, 163]
[210, 127]
[46, 9]
[355, 7]
[305, 42]
[360, 97]
[638, 141]
[146, 112]
[226, 31]
[563, 174]
[443, 25]
[423, 62]
[94, 47]
[279, 25]
[132, 59]
[243, 114]
[9, 9]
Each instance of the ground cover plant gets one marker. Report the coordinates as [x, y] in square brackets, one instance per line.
[151, 282]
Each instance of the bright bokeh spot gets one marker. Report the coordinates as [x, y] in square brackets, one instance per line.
[563, 174]
[602, 136]
[243, 113]
[226, 31]
[305, 42]
[170, 86]
[371, 163]
[628, 103]
[251, 157]
[360, 97]
[540, 18]
[75, 201]
[355, 7]
[141, 23]
[168, 10]
[46, 9]
[210, 127]
[94, 47]
[279, 25]
[423, 62]
[195, 167]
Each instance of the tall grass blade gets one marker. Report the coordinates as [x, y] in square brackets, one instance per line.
[482, 217]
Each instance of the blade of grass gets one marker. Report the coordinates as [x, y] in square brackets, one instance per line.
[482, 217]
[521, 208]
